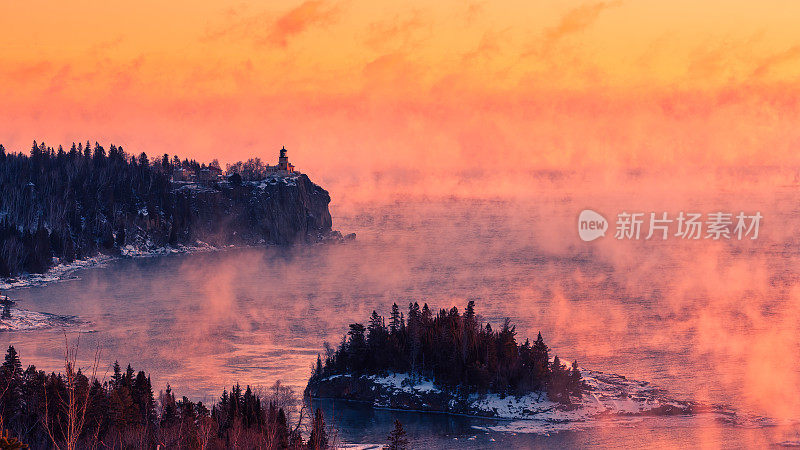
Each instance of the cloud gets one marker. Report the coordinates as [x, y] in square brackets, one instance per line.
[268, 28]
[405, 31]
[474, 11]
[770, 62]
[560, 61]
[299, 19]
[490, 45]
[577, 20]
[391, 73]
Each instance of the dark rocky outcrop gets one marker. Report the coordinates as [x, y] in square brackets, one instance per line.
[369, 389]
[278, 210]
[605, 395]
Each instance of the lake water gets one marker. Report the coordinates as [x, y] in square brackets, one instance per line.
[713, 321]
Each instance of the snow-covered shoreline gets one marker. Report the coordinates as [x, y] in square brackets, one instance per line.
[25, 320]
[64, 271]
[606, 397]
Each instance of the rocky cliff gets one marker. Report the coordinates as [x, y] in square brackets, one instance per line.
[278, 210]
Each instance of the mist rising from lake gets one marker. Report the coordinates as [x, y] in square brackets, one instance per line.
[713, 321]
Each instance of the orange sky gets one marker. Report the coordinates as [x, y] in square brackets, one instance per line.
[402, 85]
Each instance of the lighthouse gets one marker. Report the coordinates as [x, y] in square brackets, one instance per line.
[284, 167]
[283, 161]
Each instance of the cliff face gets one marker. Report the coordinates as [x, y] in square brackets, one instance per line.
[278, 210]
[58, 207]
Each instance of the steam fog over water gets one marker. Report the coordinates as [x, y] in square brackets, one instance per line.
[713, 321]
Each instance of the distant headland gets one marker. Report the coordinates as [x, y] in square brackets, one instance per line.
[61, 206]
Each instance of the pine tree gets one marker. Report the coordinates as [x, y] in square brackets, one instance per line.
[282, 430]
[470, 322]
[248, 411]
[122, 408]
[375, 325]
[397, 438]
[11, 385]
[12, 366]
[127, 380]
[558, 389]
[142, 394]
[427, 315]
[540, 355]
[394, 322]
[99, 156]
[116, 379]
[357, 347]
[318, 439]
[576, 383]
[169, 410]
[35, 154]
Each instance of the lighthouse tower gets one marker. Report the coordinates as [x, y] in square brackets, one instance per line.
[283, 162]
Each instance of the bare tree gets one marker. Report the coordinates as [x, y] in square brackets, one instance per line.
[75, 404]
[205, 432]
[2, 394]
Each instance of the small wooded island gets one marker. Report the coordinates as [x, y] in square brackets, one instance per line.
[450, 357]
[455, 363]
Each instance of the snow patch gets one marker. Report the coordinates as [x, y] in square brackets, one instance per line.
[147, 251]
[274, 180]
[606, 397]
[14, 319]
[58, 272]
[405, 383]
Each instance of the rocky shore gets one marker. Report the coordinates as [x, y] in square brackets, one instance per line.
[604, 395]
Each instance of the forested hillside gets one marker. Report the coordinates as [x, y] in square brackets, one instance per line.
[59, 205]
[70, 204]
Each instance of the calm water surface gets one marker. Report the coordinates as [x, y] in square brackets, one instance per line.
[710, 321]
